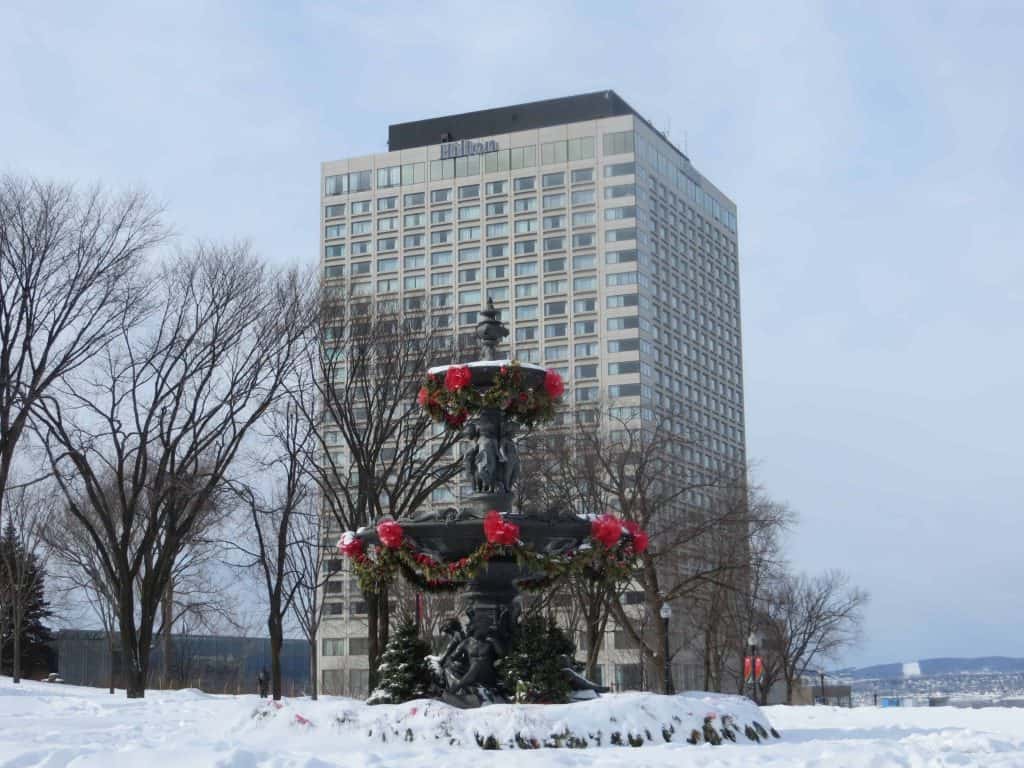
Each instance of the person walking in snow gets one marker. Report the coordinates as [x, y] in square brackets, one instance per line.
[261, 680]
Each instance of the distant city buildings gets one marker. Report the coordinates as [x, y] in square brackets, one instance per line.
[612, 259]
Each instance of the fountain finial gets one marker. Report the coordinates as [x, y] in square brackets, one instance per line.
[490, 330]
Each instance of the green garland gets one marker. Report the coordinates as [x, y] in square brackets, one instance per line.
[597, 562]
[451, 399]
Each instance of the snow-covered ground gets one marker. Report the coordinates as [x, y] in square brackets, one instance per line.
[56, 725]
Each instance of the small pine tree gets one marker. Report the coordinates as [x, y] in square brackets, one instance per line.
[403, 673]
[18, 566]
[536, 659]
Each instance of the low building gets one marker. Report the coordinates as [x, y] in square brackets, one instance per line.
[215, 664]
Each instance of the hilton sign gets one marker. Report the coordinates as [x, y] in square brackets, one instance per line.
[460, 148]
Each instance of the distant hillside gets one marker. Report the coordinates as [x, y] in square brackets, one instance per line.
[942, 666]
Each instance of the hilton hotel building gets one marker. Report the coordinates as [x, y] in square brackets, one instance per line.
[612, 259]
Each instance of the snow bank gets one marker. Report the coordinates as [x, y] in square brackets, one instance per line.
[52, 726]
[617, 720]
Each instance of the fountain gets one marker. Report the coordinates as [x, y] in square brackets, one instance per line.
[486, 545]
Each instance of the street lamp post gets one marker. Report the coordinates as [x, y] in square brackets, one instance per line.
[666, 614]
[821, 674]
[752, 639]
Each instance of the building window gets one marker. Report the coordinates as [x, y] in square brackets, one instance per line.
[581, 148]
[524, 184]
[497, 209]
[554, 265]
[470, 275]
[497, 272]
[619, 190]
[525, 204]
[584, 219]
[334, 211]
[526, 290]
[499, 251]
[622, 212]
[525, 226]
[334, 251]
[584, 240]
[553, 179]
[469, 212]
[582, 175]
[498, 229]
[359, 646]
[526, 312]
[522, 157]
[333, 646]
[628, 677]
[588, 371]
[553, 152]
[585, 261]
[495, 188]
[555, 286]
[554, 243]
[440, 279]
[335, 271]
[586, 349]
[620, 278]
[468, 254]
[554, 201]
[619, 169]
[580, 284]
[623, 323]
[413, 241]
[469, 192]
[469, 233]
[618, 143]
[622, 300]
[526, 333]
[414, 220]
[623, 368]
[359, 207]
[620, 257]
[440, 196]
[555, 330]
[526, 268]
[440, 258]
[557, 352]
[584, 305]
[584, 327]
[414, 282]
[624, 390]
[583, 197]
[469, 297]
[385, 204]
[554, 308]
[414, 173]
[362, 227]
[525, 247]
[620, 235]
[413, 200]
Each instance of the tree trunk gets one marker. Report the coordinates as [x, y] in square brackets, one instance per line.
[274, 624]
[110, 651]
[168, 619]
[313, 671]
[16, 649]
[789, 689]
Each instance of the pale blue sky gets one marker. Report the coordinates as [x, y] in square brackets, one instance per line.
[874, 151]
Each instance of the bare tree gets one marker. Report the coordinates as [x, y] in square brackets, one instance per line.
[638, 469]
[378, 452]
[726, 610]
[81, 577]
[308, 554]
[69, 283]
[811, 619]
[271, 517]
[164, 416]
[23, 562]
